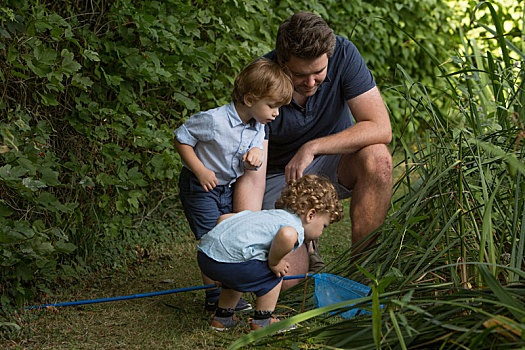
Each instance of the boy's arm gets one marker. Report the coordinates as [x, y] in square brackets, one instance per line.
[252, 159]
[282, 244]
[206, 177]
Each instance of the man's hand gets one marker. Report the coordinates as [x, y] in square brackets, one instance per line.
[207, 179]
[300, 161]
[253, 158]
[281, 269]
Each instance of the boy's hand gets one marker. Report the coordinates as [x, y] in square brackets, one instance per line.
[253, 158]
[281, 269]
[207, 179]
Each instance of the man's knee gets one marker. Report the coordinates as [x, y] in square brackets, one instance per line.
[370, 163]
[379, 164]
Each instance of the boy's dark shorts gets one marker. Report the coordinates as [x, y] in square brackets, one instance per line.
[250, 276]
[202, 209]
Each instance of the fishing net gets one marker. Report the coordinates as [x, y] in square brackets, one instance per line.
[331, 289]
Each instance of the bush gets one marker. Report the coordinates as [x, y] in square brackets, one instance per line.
[91, 94]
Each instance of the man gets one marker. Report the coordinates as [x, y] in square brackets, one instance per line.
[315, 132]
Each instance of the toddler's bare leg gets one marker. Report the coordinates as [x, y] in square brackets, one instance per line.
[268, 301]
[229, 298]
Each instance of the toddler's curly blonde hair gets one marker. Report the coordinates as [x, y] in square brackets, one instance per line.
[311, 192]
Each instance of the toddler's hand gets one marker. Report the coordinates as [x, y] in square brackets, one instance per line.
[207, 179]
[280, 269]
[252, 159]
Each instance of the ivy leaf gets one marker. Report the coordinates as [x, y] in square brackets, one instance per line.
[5, 211]
[134, 198]
[49, 177]
[121, 206]
[23, 228]
[91, 55]
[69, 65]
[51, 203]
[11, 236]
[113, 80]
[28, 164]
[45, 56]
[32, 184]
[4, 33]
[135, 177]
[9, 173]
[106, 179]
[82, 82]
[188, 102]
[65, 247]
[48, 99]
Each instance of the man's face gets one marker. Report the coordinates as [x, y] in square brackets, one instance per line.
[306, 74]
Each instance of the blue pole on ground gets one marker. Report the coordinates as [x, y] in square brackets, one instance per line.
[136, 296]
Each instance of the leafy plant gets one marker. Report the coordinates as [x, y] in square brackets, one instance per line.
[91, 93]
[449, 265]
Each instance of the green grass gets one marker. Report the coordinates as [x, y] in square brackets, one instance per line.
[175, 321]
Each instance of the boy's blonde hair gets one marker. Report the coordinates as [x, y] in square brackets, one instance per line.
[311, 192]
[260, 79]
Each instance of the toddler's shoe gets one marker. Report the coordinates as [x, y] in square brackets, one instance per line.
[223, 323]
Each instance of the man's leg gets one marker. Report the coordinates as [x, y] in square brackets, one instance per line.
[298, 260]
[368, 173]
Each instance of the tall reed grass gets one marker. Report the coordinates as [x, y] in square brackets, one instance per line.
[449, 264]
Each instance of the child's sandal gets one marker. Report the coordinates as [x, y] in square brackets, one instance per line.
[223, 323]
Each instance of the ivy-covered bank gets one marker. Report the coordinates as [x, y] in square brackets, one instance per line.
[91, 92]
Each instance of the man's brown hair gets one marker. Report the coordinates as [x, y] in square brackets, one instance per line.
[311, 192]
[304, 35]
[260, 79]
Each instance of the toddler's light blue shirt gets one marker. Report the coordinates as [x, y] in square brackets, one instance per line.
[248, 235]
[220, 139]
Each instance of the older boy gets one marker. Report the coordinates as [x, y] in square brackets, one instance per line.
[217, 145]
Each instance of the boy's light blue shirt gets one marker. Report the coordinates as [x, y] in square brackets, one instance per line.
[248, 235]
[220, 139]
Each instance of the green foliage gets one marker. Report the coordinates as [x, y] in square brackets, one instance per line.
[449, 264]
[92, 91]
[88, 111]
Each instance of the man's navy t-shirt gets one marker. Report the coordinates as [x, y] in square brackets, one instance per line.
[326, 112]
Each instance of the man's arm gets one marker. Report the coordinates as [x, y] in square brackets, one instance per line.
[372, 127]
[249, 188]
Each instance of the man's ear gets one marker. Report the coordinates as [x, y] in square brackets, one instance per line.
[282, 65]
[310, 215]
